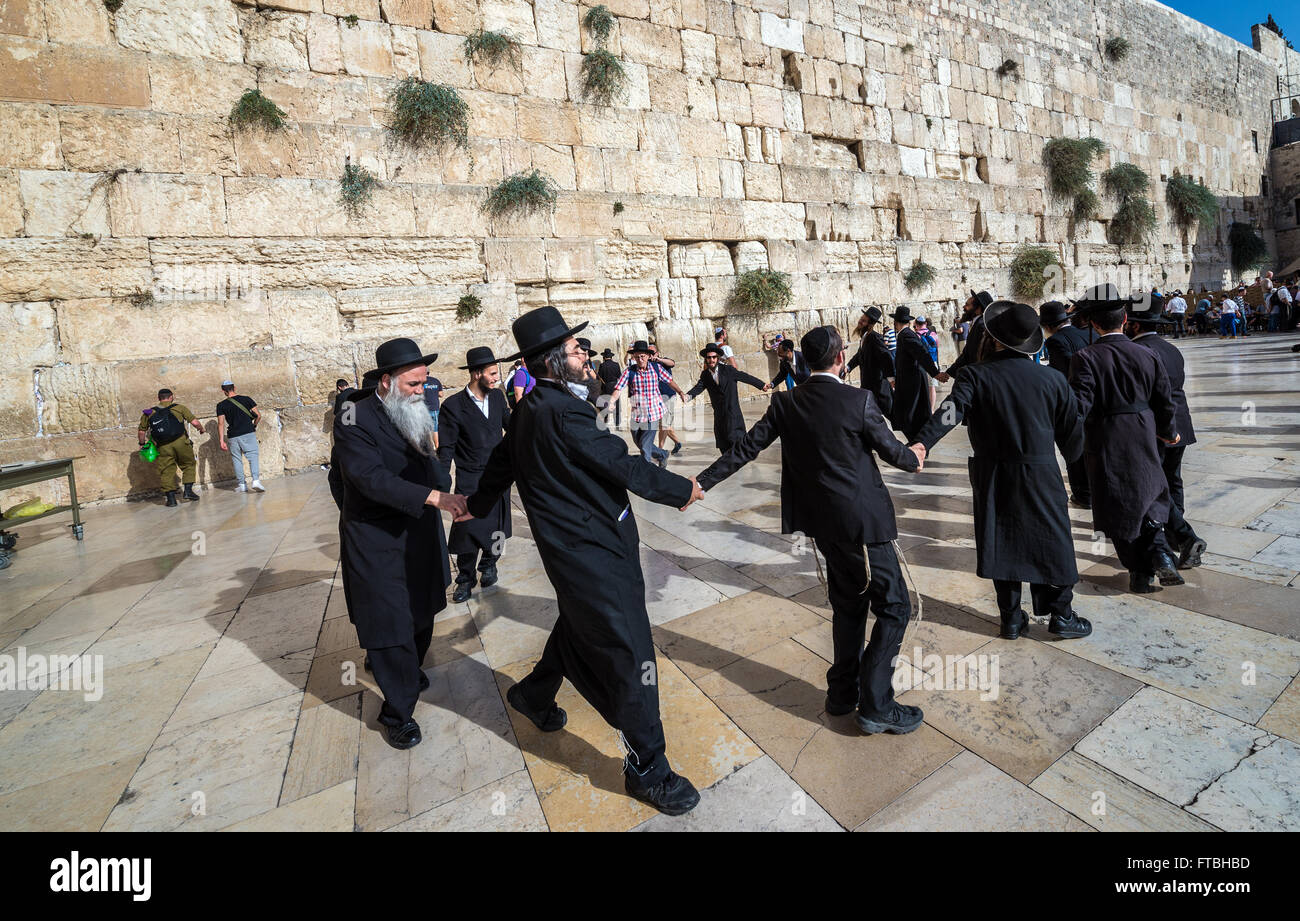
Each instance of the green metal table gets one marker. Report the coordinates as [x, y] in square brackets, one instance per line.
[26, 473]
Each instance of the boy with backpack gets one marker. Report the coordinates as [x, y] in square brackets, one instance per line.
[931, 342]
[164, 424]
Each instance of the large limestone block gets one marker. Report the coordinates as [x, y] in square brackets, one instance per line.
[786, 34]
[324, 44]
[109, 465]
[748, 255]
[678, 298]
[623, 260]
[185, 28]
[445, 211]
[29, 136]
[779, 220]
[457, 16]
[302, 317]
[72, 74]
[548, 122]
[377, 311]
[306, 435]
[98, 139]
[522, 261]
[293, 6]
[22, 17]
[415, 13]
[316, 369]
[42, 269]
[514, 17]
[569, 260]
[628, 301]
[544, 74]
[152, 205]
[194, 379]
[17, 404]
[715, 294]
[27, 334]
[82, 22]
[78, 398]
[105, 330]
[647, 43]
[207, 146]
[693, 260]
[63, 204]
[275, 39]
[266, 375]
[315, 98]
[557, 24]
[442, 59]
[733, 102]
[11, 204]
[368, 49]
[192, 86]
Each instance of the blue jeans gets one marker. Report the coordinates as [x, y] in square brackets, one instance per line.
[643, 435]
[433, 414]
[242, 446]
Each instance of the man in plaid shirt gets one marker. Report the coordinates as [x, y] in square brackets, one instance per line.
[647, 404]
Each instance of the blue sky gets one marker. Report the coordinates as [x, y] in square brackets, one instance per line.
[1235, 19]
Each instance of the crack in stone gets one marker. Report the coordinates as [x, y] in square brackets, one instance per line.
[1257, 746]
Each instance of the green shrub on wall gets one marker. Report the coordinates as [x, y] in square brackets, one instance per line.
[1135, 217]
[428, 115]
[919, 275]
[599, 23]
[521, 194]
[356, 187]
[603, 77]
[491, 48]
[468, 307]
[1117, 48]
[1032, 269]
[1249, 251]
[253, 110]
[1190, 201]
[761, 291]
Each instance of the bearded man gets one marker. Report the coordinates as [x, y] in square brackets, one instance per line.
[389, 487]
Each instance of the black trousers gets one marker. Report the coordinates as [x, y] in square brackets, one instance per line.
[465, 565]
[397, 672]
[864, 677]
[1137, 555]
[1179, 531]
[1048, 600]
[1078, 476]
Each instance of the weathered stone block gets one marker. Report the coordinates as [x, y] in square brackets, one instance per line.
[748, 255]
[458, 16]
[678, 298]
[317, 368]
[78, 398]
[570, 260]
[191, 86]
[72, 74]
[63, 204]
[264, 374]
[27, 334]
[762, 182]
[324, 44]
[306, 434]
[368, 49]
[620, 260]
[275, 39]
[518, 261]
[185, 28]
[151, 205]
[415, 13]
[557, 24]
[512, 16]
[693, 260]
[36, 270]
[781, 33]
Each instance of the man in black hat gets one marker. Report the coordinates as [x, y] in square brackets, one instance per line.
[1063, 340]
[590, 383]
[389, 487]
[721, 381]
[912, 362]
[574, 477]
[831, 490]
[1143, 329]
[1123, 394]
[470, 427]
[609, 372]
[874, 363]
[1015, 410]
[972, 312]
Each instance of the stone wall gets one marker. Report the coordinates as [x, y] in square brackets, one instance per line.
[145, 243]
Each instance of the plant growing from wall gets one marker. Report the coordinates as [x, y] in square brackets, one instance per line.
[1031, 270]
[1068, 162]
[1117, 48]
[599, 23]
[112, 5]
[907, 48]
[761, 291]
[618, 207]
[254, 110]
[1008, 68]
[468, 307]
[603, 77]
[351, 20]
[1190, 201]
[428, 115]
[919, 275]
[522, 194]
[491, 48]
[356, 187]
[1249, 251]
[1135, 217]
[140, 298]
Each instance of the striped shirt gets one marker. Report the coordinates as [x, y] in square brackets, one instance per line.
[647, 404]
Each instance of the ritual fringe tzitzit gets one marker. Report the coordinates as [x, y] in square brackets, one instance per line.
[907, 576]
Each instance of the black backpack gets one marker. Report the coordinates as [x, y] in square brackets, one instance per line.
[164, 426]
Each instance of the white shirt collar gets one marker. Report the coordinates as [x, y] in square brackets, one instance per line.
[826, 374]
[481, 404]
[1143, 335]
[1108, 335]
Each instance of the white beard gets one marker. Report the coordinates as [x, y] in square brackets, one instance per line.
[411, 417]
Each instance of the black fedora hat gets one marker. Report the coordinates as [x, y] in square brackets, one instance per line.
[540, 329]
[586, 344]
[711, 349]
[873, 313]
[1151, 316]
[982, 298]
[639, 346]
[1015, 326]
[608, 353]
[902, 315]
[1103, 297]
[478, 357]
[399, 353]
[1053, 313]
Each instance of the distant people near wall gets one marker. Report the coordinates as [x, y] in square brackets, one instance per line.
[433, 402]
[609, 372]
[1201, 319]
[1176, 313]
[1228, 318]
[670, 404]
[932, 345]
[237, 420]
[519, 384]
[792, 370]
[342, 390]
[720, 340]
[164, 423]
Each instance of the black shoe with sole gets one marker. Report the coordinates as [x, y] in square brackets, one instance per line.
[677, 449]
[462, 593]
[674, 795]
[550, 721]
[1078, 502]
[1189, 555]
[488, 577]
[1166, 568]
[1071, 628]
[171, 499]
[189, 493]
[901, 719]
[1015, 627]
[1139, 583]
[404, 736]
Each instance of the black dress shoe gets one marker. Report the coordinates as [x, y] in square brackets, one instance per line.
[550, 721]
[189, 493]
[1015, 627]
[462, 593]
[171, 499]
[677, 448]
[1078, 502]
[1166, 568]
[488, 577]
[674, 795]
[1139, 583]
[1189, 555]
[835, 709]
[901, 719]
[406, 735]
[1069, 628]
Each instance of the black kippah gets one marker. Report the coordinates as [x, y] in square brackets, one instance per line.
[816, 345]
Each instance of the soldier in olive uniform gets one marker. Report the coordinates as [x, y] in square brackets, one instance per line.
[165, 424]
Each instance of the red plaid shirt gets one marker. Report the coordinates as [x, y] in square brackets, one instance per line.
[647, 404]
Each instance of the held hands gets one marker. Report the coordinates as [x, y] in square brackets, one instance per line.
[920, 452]
[450, 502]
[696, 494]
[767, 387]
[943, 377]
[1177, 438]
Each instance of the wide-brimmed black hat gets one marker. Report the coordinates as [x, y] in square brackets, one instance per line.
[1101, 298]
[873, 312]
[399, 353]
[1053, 313]
[982, 298]
[1149, 317]
[711, 349]
[901, 315]
[608, 353]
[540, 329]
[1015, 326]
[478, 357]
[586, 344]
[639, 346]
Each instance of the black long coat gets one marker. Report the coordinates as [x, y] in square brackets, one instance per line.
[1015, 410]
[1172, 358]
[1062, 345]
[831, 488]
[574, 477]
[724, 394]
[1123, 394]
[912, 362]
[970, 352]
[467, 437]
[875, 367]
[391, 545]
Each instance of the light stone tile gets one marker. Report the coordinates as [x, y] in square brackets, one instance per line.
[670, 591]
[1248, 569]
[120, 647]
[1107, 801]
[790, 574]
[337, 676]
[966, 793]
[325, 748]
[85, 614]
[1170, 746]
[723, 579]
[77, 802]
[1283, 717]
[270, 626]
[306, 567]
[382, 773]
[514, 622]
[329, 810]
[1259, 794]
[1284, 553]
[1282, 518]
[509, 804]
[1240, 543]
[241, 688]
[758, 797]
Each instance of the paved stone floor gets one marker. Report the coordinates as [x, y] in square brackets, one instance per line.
[229, 701]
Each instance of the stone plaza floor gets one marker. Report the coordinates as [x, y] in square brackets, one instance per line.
[227, 700]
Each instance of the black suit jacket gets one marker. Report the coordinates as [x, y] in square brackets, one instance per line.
[468, 437]
[724, 394]
[971, 350]
[831, 488]
[1172, 358]
[1062, 345]
[876, 367]
[912, 364]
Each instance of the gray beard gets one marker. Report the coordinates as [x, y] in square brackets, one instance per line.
[411, 417]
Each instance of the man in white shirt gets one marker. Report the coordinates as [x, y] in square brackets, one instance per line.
[1176, 308]
[1227, 318]
[720, 340]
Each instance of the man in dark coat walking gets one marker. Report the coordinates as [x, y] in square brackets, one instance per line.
[1123, 394]
[609, 372]
[912, 362]
[831, 490]
[469, 427]
[1143, 328]
[1015, 411]
[721, 381]
[389, 487]
[874, 363]
[1063, 340]
[973, 313]
[574, 477]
